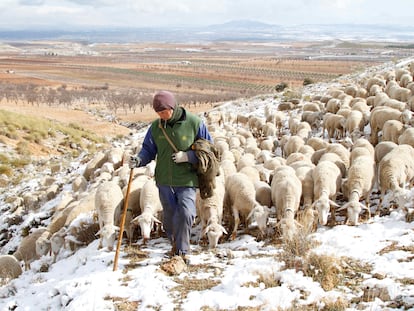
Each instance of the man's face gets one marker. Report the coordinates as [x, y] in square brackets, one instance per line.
[165, 114]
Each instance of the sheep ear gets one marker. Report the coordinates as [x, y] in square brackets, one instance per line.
[223, 229]
[135, 221]
[155, 219]
[251, 213]
[205, 230]
[333, 203]
[345, 206]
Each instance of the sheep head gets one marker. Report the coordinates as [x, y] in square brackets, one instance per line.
[146, 222]
[323, 205]
[260, 214]
[214, 231]
[401, 196]
[353, 210]
[108, 235]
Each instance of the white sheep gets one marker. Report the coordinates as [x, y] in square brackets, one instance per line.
[108, 203]
[9, 268]
[286, 194]
[380, 115]
[317, 143]
[304, 173]
[361, 180]
[246, 159]
[251, 172]
[151, 209]
[293, 144]
[240, 198]
[263, 193]
[382, 149]
[407, 137]
[334, 125]
[377, 80]
[42, 244]
[27, 248]
[327, 182]
[133, 208]
[210, 212]
[334, 158]
[392, 130]
[395, 171]
[341, 151]
[354, 122]
[333, 105]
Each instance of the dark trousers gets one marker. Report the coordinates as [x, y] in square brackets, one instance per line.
[179, 212]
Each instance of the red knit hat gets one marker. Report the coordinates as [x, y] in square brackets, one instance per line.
[163, 100]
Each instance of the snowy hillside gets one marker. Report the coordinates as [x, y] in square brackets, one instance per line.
[364, 267]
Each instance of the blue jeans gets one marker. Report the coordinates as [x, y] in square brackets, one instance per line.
[179, 212]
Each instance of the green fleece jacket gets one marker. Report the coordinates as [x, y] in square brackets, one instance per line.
[182, 129]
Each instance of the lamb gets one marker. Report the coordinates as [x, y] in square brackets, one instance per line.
[327, 182]
[361, 179]
[395, 170]
[240, 198]
[108, 203]
[9, 268]
[286, 194]
[27, 248]
[210, 212]
[151, 209]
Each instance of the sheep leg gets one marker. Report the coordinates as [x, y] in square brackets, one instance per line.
[332, 220]
[236, 223]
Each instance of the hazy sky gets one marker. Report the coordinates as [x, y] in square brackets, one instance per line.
[138, 13]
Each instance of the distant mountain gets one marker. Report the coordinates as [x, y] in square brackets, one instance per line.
[243, 24]
[238, 30]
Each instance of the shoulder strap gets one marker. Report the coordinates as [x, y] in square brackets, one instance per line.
[167, 137]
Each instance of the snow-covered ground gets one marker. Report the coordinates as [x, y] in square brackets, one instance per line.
[245, 274]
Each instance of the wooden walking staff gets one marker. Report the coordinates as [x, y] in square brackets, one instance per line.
[121, 227]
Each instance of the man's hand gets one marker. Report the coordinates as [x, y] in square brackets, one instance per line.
[134, 161]
[180, 157]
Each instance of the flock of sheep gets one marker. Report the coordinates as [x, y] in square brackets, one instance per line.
[281, 172]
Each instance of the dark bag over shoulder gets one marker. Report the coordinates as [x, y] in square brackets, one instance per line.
[208, 166]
